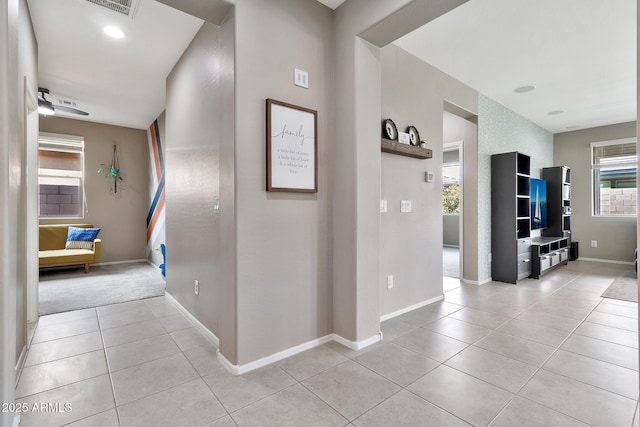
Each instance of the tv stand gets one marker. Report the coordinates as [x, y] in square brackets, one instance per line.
[548, 253]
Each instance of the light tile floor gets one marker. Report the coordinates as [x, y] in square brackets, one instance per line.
[546, 352]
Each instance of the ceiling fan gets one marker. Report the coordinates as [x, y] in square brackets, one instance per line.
[46, 107]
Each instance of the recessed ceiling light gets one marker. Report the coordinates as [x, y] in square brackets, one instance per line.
[555, 112]
[523, 89]
[114, 32]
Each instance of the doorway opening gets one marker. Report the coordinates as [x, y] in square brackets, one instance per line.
[451, 203]
[460, 137]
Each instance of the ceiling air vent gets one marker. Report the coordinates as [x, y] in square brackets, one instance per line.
[125, 7]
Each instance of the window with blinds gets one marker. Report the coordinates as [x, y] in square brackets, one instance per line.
[60, 176]
[614, 168]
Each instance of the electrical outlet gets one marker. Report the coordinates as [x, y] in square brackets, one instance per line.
[428, 177]
[196, 286]
[389, 282]
[594, 243]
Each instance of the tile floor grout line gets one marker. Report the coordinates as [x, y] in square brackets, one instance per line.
[113, 390]
[546, 360]
[432, 403]
[636, 414]
[604, 340]
[201, 377]
[541, 367]
[89, 416]
[258, 400]
[62, 358]
[328, 404]
[556, 348]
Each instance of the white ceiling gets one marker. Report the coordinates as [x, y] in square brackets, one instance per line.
[333, 4]
[118, 81]
[580, 55]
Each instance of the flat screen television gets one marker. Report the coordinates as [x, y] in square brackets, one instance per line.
[538, 204]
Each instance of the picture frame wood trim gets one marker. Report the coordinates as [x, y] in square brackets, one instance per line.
[274, 184]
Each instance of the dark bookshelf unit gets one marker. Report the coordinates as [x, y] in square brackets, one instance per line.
[510, 217]
[558, 201]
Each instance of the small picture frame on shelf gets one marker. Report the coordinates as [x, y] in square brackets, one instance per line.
[389, 130]
[414, 136]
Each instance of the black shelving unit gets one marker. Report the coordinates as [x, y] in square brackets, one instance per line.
[510, 217]
[558, 180]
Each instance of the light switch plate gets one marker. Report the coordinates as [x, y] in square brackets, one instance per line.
[383, 206]
[405, 205]
[301, 78]
[428, 176]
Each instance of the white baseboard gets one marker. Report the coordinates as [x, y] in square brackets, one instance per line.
[151, 263]
[411, 308]
[357, 345]
[276, 357]
[475, 282]
[214, 339]
[609, 261]
[20, 364]
[242, 369]
[129, 261]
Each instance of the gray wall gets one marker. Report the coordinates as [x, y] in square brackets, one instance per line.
[18, 58]
[328, 281]
[121, 216]
[27, 68]
[616, 236]
[413, 93]
[192, 165]
[199, 170]
[358, 104]
[276, 262]
[284, 264]
[451, 230]
[500, 130]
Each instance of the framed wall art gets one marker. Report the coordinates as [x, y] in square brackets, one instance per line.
[292, 148]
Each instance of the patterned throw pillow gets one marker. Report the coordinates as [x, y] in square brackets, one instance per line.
[81, 238]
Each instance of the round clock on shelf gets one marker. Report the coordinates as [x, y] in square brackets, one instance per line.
[414, 136]
[389, 130]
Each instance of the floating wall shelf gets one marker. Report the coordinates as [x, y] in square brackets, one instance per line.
[394, 147]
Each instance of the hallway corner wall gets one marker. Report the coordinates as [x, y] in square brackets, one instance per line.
[413, 93]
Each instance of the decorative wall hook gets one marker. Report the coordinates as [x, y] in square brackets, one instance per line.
[112, 171]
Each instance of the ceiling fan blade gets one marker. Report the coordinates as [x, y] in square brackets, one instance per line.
[70, 110]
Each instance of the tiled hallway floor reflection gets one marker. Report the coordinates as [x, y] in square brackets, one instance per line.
[547, 352]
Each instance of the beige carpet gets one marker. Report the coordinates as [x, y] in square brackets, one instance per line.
[71, 289]
[623, 288]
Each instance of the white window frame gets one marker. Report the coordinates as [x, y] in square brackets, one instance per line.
[68, 144]
[595, 198]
